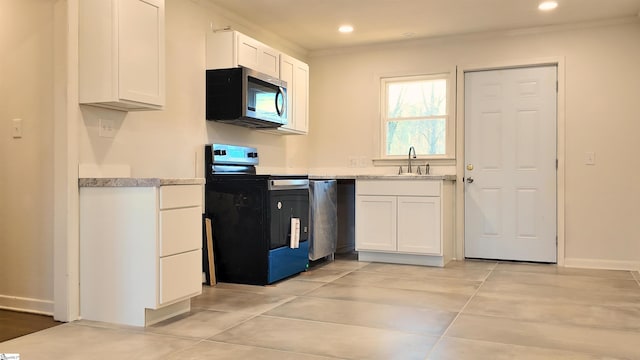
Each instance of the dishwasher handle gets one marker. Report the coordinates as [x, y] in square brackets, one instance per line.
[288, 184]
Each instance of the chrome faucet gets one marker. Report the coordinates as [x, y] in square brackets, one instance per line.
[409, 158]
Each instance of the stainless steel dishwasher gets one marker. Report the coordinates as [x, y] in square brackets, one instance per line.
[323, 221]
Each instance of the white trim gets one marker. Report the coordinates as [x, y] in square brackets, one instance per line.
[66, 258]
[602, 264]
[398, 258]
[35, 306]
[560, 196]
[474, 36]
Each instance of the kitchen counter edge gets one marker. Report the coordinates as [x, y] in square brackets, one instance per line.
[382, 177]
[137, 182]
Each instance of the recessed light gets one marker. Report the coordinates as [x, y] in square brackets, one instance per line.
[547, 5]
[345, 29]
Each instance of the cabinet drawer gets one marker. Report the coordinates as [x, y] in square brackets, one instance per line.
[174, 196]
[180, 230]
[398, 187]
[180, 276]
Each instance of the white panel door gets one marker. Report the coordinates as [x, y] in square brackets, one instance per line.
[376, 223]
[510, 164]
[419, 225]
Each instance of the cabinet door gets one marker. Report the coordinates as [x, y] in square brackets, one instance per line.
[248, 50]
[141, 51]
[255, 55]
[419, 225]
[376, 223]
[296, 74]
[301, 97]
[286, 74]
[269, 61]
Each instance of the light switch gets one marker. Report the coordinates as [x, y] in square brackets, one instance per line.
[590, 158]
[16, 128]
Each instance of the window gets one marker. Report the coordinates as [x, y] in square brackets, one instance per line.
[415, 112]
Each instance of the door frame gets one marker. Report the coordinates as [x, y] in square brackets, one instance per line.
[559, 62]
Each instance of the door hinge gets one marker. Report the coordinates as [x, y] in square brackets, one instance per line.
[556, 164]
[557, 86]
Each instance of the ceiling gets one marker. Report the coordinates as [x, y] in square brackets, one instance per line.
[313, 24]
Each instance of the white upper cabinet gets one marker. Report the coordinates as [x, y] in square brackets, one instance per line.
[296, 74]
[229, 48]
[258, 56]
[121, 54]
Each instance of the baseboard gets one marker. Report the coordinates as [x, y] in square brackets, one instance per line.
[166, 312]
[602, 264]
[35, 306]
[396, 258]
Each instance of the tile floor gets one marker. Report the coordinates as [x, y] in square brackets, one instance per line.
[351, 310]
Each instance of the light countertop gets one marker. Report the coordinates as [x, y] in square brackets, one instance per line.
[137, 182]
[382, 177]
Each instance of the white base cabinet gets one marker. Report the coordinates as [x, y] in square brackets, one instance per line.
[140, 252]
[404, 221]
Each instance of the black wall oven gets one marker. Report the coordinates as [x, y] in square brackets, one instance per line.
[254, 239]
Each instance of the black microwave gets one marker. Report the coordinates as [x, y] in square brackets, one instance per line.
[244, 97]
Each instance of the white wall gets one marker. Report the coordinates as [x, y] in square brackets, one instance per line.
[26, 186]
[602, 94]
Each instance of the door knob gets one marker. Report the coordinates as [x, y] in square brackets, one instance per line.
[469, 180]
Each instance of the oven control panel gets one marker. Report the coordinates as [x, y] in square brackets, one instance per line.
[223, 154]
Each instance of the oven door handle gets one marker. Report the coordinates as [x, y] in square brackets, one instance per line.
[288, 184]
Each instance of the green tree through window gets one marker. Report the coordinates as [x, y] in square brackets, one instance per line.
[415, 114]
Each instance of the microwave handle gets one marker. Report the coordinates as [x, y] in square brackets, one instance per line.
[280, 110]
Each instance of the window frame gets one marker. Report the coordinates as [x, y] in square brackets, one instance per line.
[449, 116]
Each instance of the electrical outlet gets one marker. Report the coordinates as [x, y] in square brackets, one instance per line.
[16, 128]
[362, 161]
[353, 162]
[106, 128]
[589, 158]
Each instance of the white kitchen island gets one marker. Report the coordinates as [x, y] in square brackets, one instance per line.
[140, 248]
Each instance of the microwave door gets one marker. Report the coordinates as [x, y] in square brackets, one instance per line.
[262, 98]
